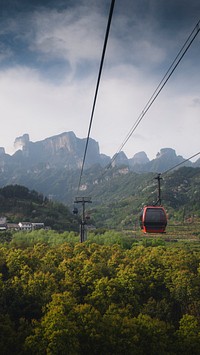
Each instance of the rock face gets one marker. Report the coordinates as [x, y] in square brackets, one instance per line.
[65, 151]
[50, 165]
[165, 159]
[62, 151]
[166, 153]
[197, 163]
[121, 159]
[22, 141]
[139, 159]
[2, 151]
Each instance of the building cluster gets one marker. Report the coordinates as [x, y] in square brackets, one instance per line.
[24, 226]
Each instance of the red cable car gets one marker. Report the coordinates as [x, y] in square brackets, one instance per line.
[153, 219]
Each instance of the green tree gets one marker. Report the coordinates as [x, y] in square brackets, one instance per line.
[189, 335]
[56, 334]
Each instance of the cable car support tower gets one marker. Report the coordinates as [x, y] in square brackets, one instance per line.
[158, 202]
[83, 231]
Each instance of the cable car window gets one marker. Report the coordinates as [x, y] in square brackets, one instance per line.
[155, 214]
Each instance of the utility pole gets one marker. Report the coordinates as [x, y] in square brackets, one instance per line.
[158, 202]
[83, 201]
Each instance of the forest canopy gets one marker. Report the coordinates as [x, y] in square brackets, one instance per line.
[88, 298]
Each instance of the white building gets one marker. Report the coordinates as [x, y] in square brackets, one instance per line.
[25, 226]
[37, 225]
[29, 226]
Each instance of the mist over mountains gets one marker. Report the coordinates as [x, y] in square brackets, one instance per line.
[52, 166]
[66, 151]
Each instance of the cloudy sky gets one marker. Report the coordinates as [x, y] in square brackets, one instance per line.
[50, 54]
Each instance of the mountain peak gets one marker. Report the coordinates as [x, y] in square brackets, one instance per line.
[62, 150]
[65, 150]
[121, 159]
[166, 152]
[21, 141]
[139, 158]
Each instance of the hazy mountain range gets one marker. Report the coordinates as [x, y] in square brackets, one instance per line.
[66, 151]
[52, 166]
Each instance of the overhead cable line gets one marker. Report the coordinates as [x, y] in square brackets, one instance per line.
[97, 87]
[174, 167]
[159, 88]
[167, 171]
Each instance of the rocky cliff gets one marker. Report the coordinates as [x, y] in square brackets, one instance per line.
[61, 151]
[50, 166]
[65, 151]
[139, 159]
[165, 159]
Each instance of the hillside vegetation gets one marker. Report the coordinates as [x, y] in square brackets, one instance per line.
[90, 298]
[19, 204]
[120, 291]
[119, 198]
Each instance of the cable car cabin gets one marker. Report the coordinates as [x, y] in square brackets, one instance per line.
[153, 219]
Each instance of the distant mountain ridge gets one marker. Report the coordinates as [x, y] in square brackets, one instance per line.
[63, 150]
[52, 166]
[66, 151]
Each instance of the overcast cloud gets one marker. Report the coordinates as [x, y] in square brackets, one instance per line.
[49, 61]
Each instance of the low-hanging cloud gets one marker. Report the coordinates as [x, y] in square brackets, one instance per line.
[137, 56]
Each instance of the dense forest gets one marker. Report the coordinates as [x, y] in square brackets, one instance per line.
[119, 291]
[108, 295]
